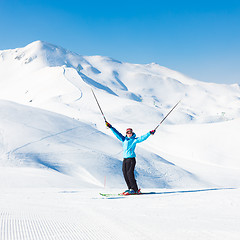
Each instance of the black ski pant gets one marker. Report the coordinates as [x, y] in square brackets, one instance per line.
[128, 173]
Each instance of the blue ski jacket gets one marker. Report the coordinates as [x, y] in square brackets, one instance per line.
[129, 144]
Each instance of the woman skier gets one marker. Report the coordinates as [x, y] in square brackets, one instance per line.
[129, 161]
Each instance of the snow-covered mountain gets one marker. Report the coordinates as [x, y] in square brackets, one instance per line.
[50, 122]
[50, 77]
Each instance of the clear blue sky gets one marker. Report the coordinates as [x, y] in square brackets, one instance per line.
[200, 38]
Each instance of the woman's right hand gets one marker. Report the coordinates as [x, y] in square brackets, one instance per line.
[108, 124]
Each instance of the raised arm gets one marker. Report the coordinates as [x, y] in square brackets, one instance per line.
[144, 137]
[116, 132]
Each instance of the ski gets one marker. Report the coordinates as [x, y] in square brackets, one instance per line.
[120, 194]
[125, 195]
[111, 194]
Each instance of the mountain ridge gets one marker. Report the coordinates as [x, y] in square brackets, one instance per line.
[156, 87]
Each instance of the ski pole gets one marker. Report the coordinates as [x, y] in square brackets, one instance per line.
[166, 116]
[98, 105]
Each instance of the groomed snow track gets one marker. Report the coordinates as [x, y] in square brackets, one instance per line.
[22, 225]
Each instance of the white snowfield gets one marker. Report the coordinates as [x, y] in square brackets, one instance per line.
[56, 154]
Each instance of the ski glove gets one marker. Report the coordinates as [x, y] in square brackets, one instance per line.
[108, 124]
[152, 132]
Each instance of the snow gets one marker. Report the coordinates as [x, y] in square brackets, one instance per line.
[56, 154]
[82, 214]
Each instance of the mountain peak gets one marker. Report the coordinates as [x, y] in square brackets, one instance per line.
[41, 45]
[48, 54]
[35, 44]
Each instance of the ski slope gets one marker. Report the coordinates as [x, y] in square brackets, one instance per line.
[56, 154]
[71, 153]
[47, 214]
